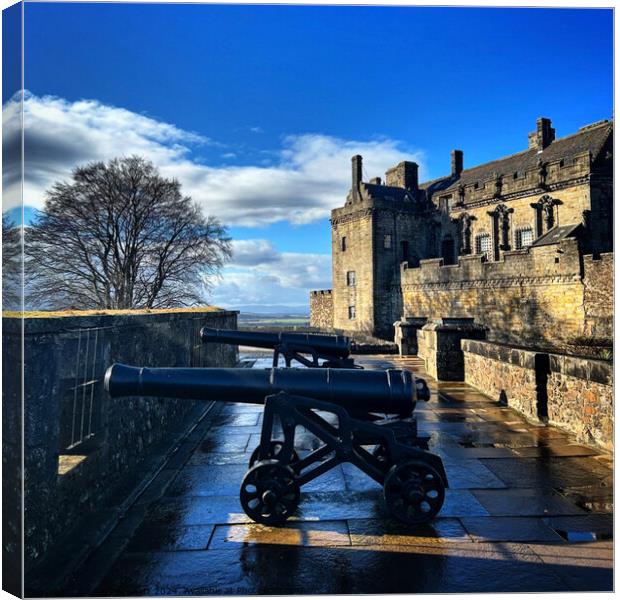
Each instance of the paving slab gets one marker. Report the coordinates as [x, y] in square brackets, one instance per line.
[509, 529]
[380, 532]
[470, 474]
[582, 528]
[332, 481]
[461, 453]
[313, 533]
[461, 503]
[553, 450]
[224, 441]
[219, 458]
[211, 480]
[197, 510]
[549, 472]
[525, 502]
[240, 419]
[149, 537]
[315, 506]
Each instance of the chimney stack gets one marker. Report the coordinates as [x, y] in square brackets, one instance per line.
[457, 162]
[403, 175]
[543, 136]
[356, 172]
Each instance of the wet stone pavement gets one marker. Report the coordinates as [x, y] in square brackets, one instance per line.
[528, 509]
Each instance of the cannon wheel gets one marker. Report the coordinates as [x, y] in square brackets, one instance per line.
[275, 447]
[414, 492]
[269, 492]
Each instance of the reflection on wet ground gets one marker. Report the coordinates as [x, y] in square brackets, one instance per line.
[529, 509]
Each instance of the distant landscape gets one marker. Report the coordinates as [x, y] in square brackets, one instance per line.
[274, 320]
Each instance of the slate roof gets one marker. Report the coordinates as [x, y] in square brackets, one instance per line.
[590, 138]
[553, 236]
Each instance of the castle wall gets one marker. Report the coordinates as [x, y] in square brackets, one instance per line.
[574, 201]
[322, 309]
[85, 452]
[533, 296]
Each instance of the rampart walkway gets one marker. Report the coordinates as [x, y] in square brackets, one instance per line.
[527, 510]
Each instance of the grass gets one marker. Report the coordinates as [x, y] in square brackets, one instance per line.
[51, 314]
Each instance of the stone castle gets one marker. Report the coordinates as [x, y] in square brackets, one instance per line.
[522, 245]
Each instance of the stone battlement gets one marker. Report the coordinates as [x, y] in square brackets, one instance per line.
[550, 263]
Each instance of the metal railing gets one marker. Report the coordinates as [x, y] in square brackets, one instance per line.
[81, 411]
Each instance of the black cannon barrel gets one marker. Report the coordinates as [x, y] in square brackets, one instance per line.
[391, 391]
[337, 346]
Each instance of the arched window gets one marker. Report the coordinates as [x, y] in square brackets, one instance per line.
[524, 238]
[483, 245]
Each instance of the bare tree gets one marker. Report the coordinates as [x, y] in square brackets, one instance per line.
[121, 236]
[11, 265]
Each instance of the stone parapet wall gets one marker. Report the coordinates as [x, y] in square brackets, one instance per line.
[322, 310]
[580, 398]
[573, 393]
[529, 297]
[80, 445]
[439, 344]
[598, 280]
[506, 374]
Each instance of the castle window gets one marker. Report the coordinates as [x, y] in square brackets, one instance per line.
[343, 243]
[483, 245]
[445, 204]
[404, 250]
[352, 311]
[350, 277]
[524, 238]
[387, 241]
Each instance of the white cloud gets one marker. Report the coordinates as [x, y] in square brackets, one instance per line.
[309, 175]
[261, 275]
[253, 252]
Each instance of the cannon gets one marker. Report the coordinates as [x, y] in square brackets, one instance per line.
[361, 417]
[333, 350]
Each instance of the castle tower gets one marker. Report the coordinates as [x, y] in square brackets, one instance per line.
[372, 234]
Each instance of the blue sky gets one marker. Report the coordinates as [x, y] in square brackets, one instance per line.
[257, 109]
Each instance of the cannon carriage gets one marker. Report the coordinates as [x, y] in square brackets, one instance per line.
[312, 350]
[361, 417]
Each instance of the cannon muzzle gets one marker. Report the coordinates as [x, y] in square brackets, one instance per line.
[387, 392]
[336, 346]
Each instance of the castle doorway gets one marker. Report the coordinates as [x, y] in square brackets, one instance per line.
[448, 252]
